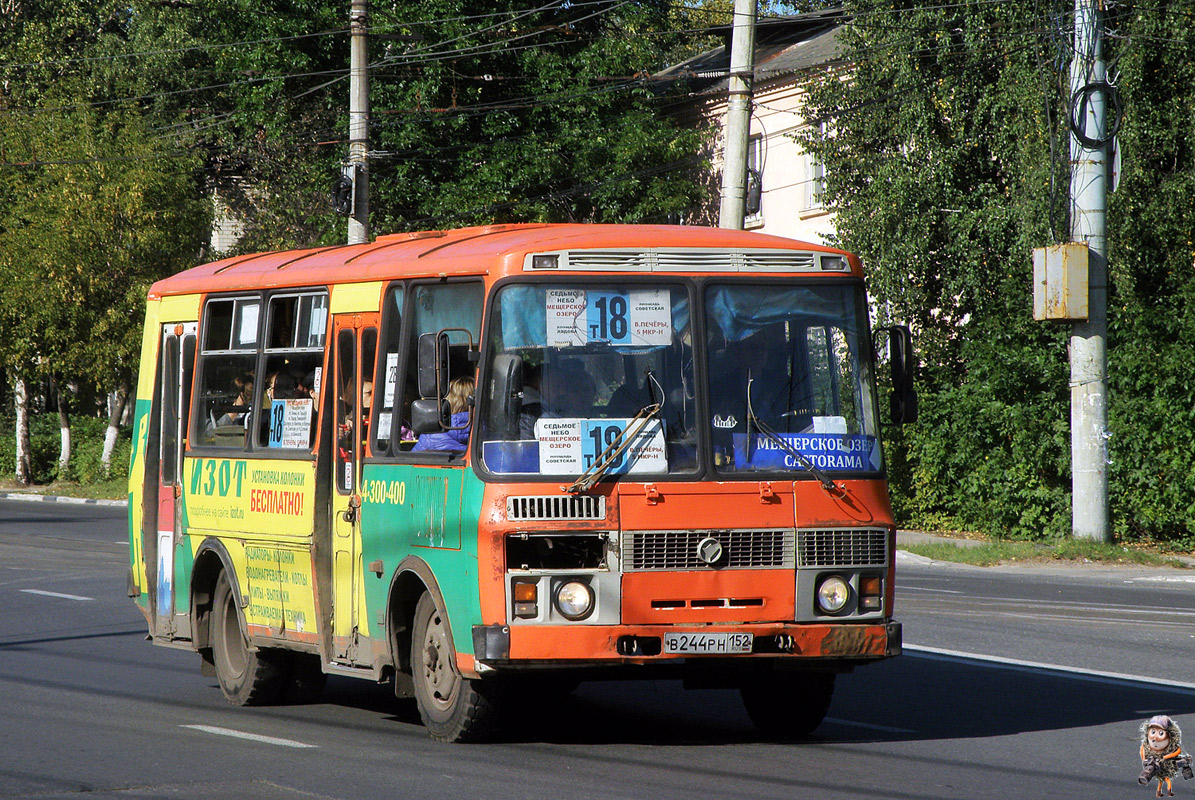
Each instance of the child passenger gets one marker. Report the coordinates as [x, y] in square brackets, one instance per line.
[458, 401]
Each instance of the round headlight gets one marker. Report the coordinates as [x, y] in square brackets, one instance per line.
[833, 594]
[574, 599]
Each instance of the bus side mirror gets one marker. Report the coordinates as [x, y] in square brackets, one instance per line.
[432, 359]
[506, 390]
[903, 363]
[430, 416]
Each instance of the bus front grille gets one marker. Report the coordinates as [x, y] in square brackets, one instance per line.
[555, 507]
[842, 548]
[646, 551]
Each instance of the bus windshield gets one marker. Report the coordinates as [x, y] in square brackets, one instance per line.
[790, 384]
[589, 376]
[575, 365]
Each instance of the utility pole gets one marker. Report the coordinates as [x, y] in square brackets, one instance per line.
[738, 117]
[358, 167]
[1088, 340]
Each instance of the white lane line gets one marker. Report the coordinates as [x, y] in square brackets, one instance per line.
[253, 737]
[1164, 579]
[58, 594]
[869, 726]
[1037, 666]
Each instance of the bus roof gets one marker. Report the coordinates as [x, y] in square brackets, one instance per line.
[492, 249]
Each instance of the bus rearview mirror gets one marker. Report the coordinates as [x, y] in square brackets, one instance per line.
[903, 401]
[430, 416]
[432, 358]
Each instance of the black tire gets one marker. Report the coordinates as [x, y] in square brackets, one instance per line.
[788, 704]
[452, 707]
[246, 677]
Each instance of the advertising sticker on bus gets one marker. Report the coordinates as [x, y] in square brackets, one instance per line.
[638, 318]
[574, 445]
[826, 451]
[290, 423]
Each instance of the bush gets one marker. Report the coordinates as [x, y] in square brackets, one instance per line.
[87, 447]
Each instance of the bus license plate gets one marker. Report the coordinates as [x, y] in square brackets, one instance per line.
[707, 643]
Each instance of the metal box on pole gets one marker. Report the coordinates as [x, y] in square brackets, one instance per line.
[1060, 282]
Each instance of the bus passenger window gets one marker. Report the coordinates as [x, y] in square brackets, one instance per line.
[296, 331]
[227, 360]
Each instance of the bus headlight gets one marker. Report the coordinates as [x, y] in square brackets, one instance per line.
[573, 599]
[833, 594]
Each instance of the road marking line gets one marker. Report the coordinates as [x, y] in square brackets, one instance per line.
[1165, 579]
[868, 725]
[1037, 666]
[57, 594]
[253, 737]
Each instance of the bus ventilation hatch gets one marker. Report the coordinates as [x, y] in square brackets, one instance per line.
[555, 507]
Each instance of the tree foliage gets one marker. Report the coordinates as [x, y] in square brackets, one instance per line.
[491, 112]
[946, 164]
[122, 122]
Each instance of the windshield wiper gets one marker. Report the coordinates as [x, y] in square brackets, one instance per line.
[753, 421]
[613, 452]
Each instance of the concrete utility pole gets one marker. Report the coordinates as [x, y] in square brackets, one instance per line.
[358, 122]
[738, 117]
[1088, 341]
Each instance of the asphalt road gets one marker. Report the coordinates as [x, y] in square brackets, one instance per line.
[91, 708]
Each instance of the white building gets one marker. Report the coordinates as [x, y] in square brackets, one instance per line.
[788, 50]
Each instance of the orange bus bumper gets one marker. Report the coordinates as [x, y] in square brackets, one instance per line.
[598, 645]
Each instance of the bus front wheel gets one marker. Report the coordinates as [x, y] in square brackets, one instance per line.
[788, 704]
[452, 707]
[246, 677]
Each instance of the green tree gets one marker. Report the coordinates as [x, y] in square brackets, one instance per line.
[493, 113]
[83, 240]
[938, 167]
[946, 164]
[1151, 336]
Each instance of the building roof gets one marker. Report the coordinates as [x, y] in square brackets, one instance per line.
[784, 48]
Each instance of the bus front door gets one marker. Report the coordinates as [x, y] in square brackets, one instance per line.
[355, 351]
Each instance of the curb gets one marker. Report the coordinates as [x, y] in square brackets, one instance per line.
[51, 498]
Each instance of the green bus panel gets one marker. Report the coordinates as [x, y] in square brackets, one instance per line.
[431, 513]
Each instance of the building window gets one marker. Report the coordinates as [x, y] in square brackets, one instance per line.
[815, 179]
[753, 207]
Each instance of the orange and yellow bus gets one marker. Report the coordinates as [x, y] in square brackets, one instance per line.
[451, 460]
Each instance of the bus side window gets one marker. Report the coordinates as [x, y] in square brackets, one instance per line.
[227, 360]
[389, 396]
[369, 356]
[438, 306]
[289, 394]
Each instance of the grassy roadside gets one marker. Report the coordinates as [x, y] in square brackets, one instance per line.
[987, 553]
[115, 489]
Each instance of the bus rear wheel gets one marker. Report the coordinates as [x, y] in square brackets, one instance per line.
[452, 707]
[787, 705]
[246, 677]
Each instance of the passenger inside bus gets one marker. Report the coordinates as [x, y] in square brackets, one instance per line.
[457, 439]
[241, 404]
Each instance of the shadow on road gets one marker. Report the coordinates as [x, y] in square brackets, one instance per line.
[916, 697]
